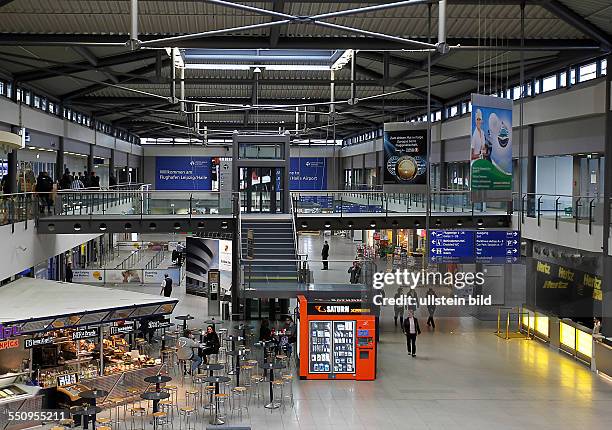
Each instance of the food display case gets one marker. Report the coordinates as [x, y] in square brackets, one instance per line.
[336, 340]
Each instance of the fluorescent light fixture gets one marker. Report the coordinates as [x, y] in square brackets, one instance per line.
[305, 67]
[343, 60]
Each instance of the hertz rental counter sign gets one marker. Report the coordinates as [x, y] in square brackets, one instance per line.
[558, 277]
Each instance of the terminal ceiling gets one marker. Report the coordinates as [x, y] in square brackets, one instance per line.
[74, 52]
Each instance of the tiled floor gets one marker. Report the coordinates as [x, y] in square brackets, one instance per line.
[463, 377]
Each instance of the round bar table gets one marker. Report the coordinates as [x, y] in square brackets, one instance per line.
[271, 367]
[184, 318]
[155, 396]
[92, 395]
[87, 412]
[215, 420]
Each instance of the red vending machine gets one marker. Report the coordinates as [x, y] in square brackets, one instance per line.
[337, 339]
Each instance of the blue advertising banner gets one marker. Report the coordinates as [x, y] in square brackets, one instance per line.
[451, 246]
[183, 173]
[308, 173]
[498, 246]
[320, 202]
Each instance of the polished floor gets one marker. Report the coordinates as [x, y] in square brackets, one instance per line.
[463, 377]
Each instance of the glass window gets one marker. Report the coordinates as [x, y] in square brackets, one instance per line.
[516, 93]
[2, 88]
[604, 66]
[588, 72]
[562, 79]
[28, 97]
[454, 110]
[572, 76]
[549, 83]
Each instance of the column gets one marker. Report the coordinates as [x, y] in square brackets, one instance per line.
[59, 161]
[111, 165]
[606, 306]
[443, 166]
[90, 158]
[12, 165]
[531, 172]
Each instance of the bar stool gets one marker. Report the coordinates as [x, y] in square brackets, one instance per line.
[167, 358]
[288, 388]
[221, 400]
[239, 400]
[277, 389]
[66, 422]
[191, 398]
[185, 414]
[256, 381]
[134, 414]
[103, 428]
[116, 404]
[160, 420]
[167, 406]
[246, 370]
[58, 428]
[135, 395]
[141, 345]
[283, 359]
[173, 391]
[104, 420]
[182, 366]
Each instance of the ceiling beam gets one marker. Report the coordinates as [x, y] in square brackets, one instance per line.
[83, 66]
[277, 6]
[84, 52]
[117, 101]
[262, 81]
[122, 80]
[416, 92]
[249, 42]
[579, 22]
[415, 65]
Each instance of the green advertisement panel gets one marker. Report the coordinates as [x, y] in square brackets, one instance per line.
[491, 144]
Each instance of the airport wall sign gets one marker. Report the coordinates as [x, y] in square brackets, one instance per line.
[475, 246]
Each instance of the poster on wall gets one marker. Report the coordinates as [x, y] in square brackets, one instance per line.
[84, 276]
[405, 157]
[307, 173]
[183, 173]
[127, 276]
[491, 148]
[156, 276]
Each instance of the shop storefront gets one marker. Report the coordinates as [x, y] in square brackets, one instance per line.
[63, 349]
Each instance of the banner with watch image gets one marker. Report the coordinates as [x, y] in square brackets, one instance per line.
[405, 157]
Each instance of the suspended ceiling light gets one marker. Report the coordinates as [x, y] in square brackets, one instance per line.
[306, 67]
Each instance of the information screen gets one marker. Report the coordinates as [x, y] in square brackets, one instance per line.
[320, 346]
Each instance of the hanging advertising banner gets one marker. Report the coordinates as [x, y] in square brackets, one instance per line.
[307, 173]
[156, 276]
[491, 148]
[405, 157]
[225, 255]
[127, 276]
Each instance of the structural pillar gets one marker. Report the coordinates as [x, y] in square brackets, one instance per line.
[12, 166]
[531, 172]
[111, 165]
[90, 161]
[443, 166]
[59, 161]
[606, 305]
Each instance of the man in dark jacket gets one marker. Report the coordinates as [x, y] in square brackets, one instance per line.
[94, 181]
[431, 307]
[355, 271]
[325, 255]
[69, 272]
[166, 286]
[44, 188]
[411, 330]
[65, 181]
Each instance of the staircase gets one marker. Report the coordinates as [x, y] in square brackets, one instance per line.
[273, 240]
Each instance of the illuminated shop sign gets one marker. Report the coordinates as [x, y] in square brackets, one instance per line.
[159, 324]
[336, 309]
[9, 344]
[8, 332]
[126, 327]
[37, 341]
[85, 333]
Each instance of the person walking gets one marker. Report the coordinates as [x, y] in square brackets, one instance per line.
[325, 255]
[413, 304]
[355, 271]
[44, 188]
[398, 309]
[166, 286]
[431, 307]
[411, 330]
[69, 274]
[94, 181]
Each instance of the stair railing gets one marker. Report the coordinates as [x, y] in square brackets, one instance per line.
[295, 240]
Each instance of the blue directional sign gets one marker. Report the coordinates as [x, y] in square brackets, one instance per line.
[497, 246]
[451, 246]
